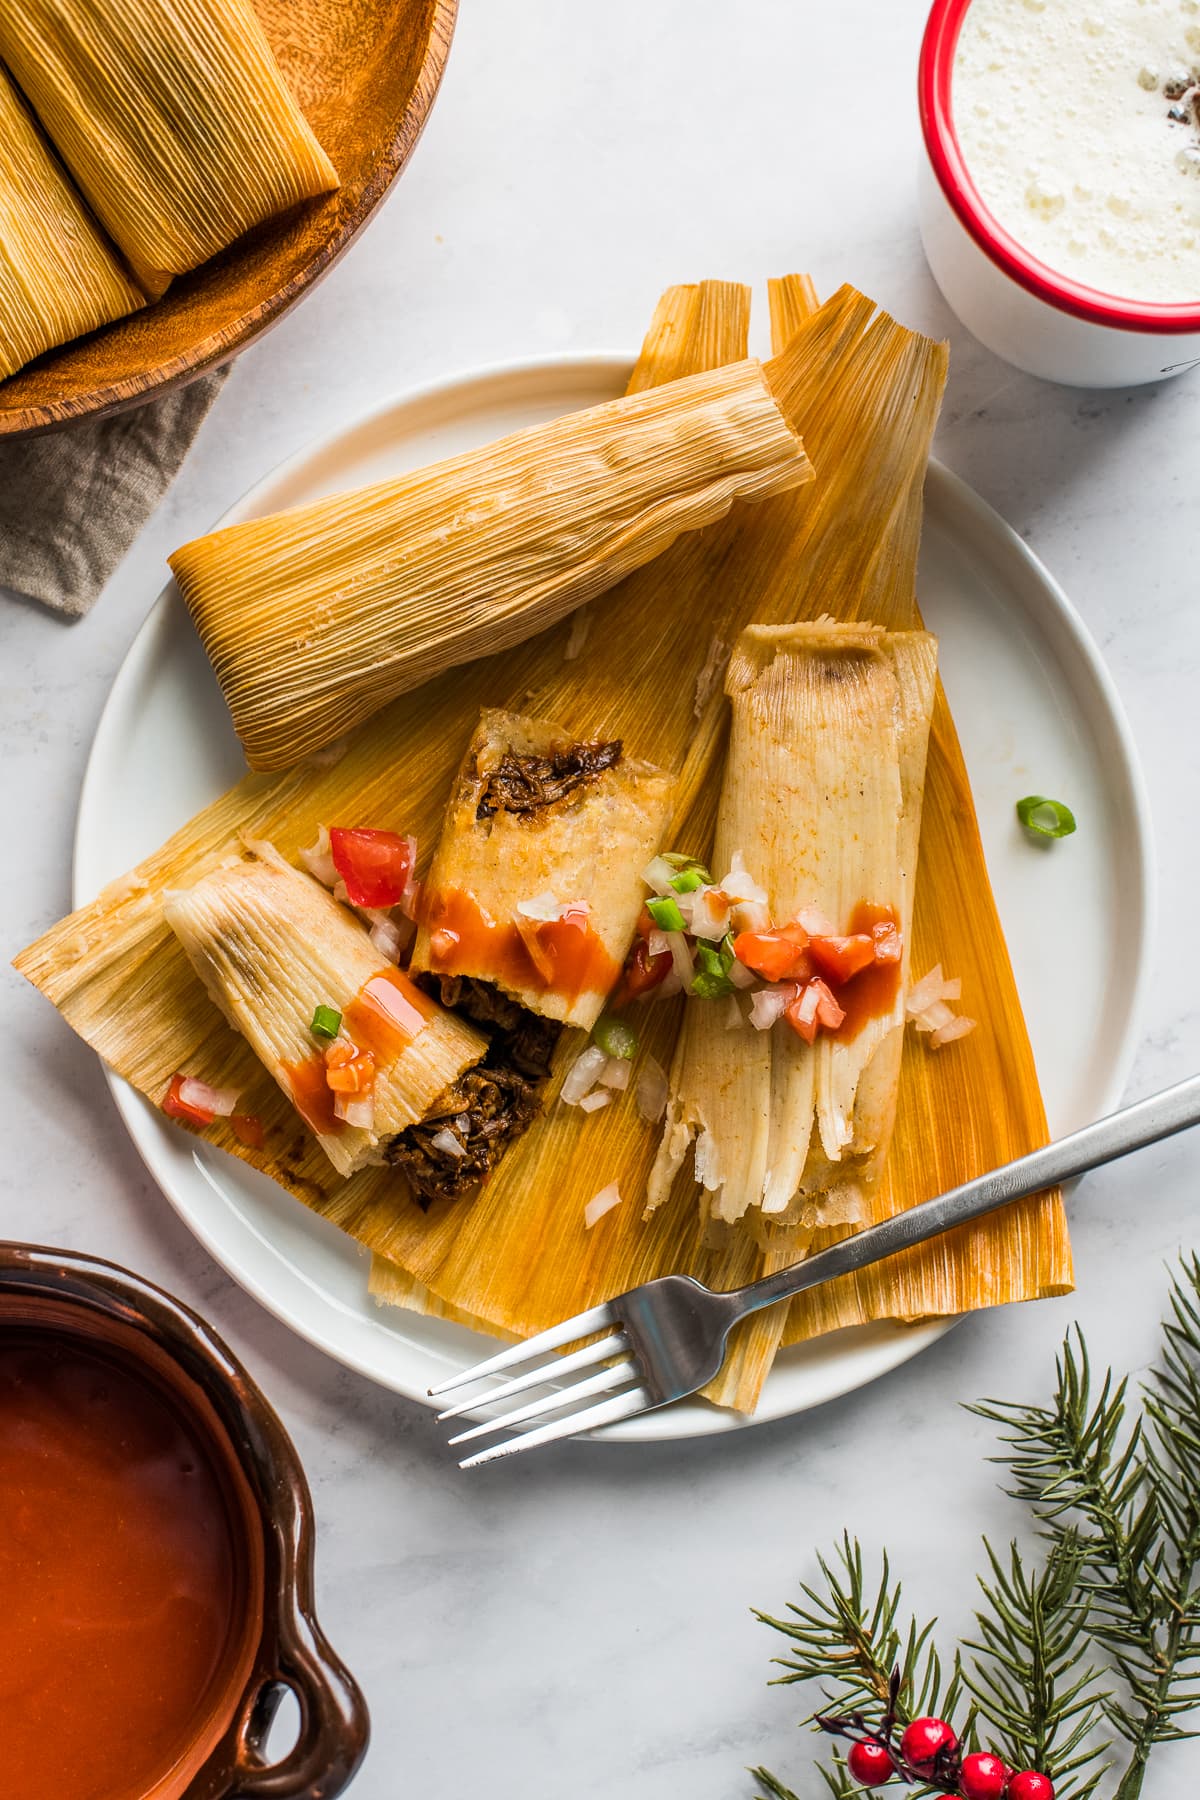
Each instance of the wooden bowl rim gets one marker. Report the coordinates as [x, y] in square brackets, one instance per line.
[221, 346]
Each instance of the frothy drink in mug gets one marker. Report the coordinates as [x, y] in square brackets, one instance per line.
[1079, 121]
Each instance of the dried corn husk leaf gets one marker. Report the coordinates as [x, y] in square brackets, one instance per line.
[822, 798]
[314, 619]
[173, 119]
[58, 276]
[518, 1257]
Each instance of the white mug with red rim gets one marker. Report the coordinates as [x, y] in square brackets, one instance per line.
[1028, 313]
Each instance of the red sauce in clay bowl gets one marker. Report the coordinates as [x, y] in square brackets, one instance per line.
[155, 1557]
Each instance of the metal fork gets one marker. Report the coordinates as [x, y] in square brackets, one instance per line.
[666, 1339]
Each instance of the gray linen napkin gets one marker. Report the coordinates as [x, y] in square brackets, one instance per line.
[72, 501]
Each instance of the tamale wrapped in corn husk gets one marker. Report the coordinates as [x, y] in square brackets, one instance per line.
[59, 278]
[516, 1257]
[536, 882]
[314, 619]
[271, 945]
[822, 801]
[171, 116]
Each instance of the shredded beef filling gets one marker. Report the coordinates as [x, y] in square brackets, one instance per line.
[486, 1108]
[523, 784]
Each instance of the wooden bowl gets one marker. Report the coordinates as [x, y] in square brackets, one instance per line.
[366, 73]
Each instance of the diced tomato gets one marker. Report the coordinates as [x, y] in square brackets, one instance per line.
[248, 1128]
[177, 1108]
[349, 1071]
[375, 865]
[777, 955]
[814, 1008]
[642, 972]
[842, 958]
[889, 945]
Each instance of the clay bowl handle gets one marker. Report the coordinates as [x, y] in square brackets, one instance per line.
[334, 1726]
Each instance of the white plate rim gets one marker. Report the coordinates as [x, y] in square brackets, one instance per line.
[891, 1345]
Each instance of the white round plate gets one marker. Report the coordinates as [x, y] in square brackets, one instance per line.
[1037, 713]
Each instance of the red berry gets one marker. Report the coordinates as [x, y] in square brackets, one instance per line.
[983, 1776]
[1029, 1785]
[871, 1763]
[924, 1738]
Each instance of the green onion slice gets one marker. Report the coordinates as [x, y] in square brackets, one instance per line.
[713, 980]
[1045, 818]
[615, 1037]
[711, 987]
[688, 880]
[666, 914]
[326, 1023]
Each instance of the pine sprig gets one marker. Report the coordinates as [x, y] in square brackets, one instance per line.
[1115, 1489]
[1025, 1674]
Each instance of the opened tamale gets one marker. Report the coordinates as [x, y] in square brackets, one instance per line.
[314, 619]
[517, 1256]
[58, 276]
[536, 881]
[171, 116]
[275, 951]
[822, 799]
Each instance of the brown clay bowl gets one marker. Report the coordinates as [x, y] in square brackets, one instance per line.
[366, 73]
[274, 1642]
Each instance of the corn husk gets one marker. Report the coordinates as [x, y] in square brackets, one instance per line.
[822, 800]
[270, 945]
[171, 116]
[585, 851]
[518, 1257]
[58, 276]
[314, 619]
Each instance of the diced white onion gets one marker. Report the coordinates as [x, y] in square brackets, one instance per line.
[221, 1102]
[948, 1034]
[600, 1203]
[355, 1109]
[770, 1003]
[752, 915]
[733, 1013]
[934, 1017]
[659, 875]
[931, 987]
[544, 907]
[580, 626]
[709, 914]
[389, 940]
[318, 859]
[445, 1141]
[583, 1075]
[657, 942]
[615, 1073]
[668, 987]
[740, 975]
[740, 887]
[595, 1100]
[651, 1090]
[681, 957]
[816, 924]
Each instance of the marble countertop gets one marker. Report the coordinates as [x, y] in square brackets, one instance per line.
[580, 1625]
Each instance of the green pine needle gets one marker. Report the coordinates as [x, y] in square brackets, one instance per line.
[1102, 1638]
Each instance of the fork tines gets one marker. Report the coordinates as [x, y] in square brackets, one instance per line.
[549, 1371]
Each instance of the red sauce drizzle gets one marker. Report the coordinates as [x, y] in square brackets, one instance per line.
[311, 1095]
[560, 956]
[872, 993]
[386, 1014]
[119, 1569]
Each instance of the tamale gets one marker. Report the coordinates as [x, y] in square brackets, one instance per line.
[822, 800]
[314, 619]
[58, 276]
[271, 946]
[172, 117]
[517, 1257]
[536, 881]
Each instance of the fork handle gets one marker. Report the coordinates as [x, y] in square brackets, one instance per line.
[1161, 1116]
